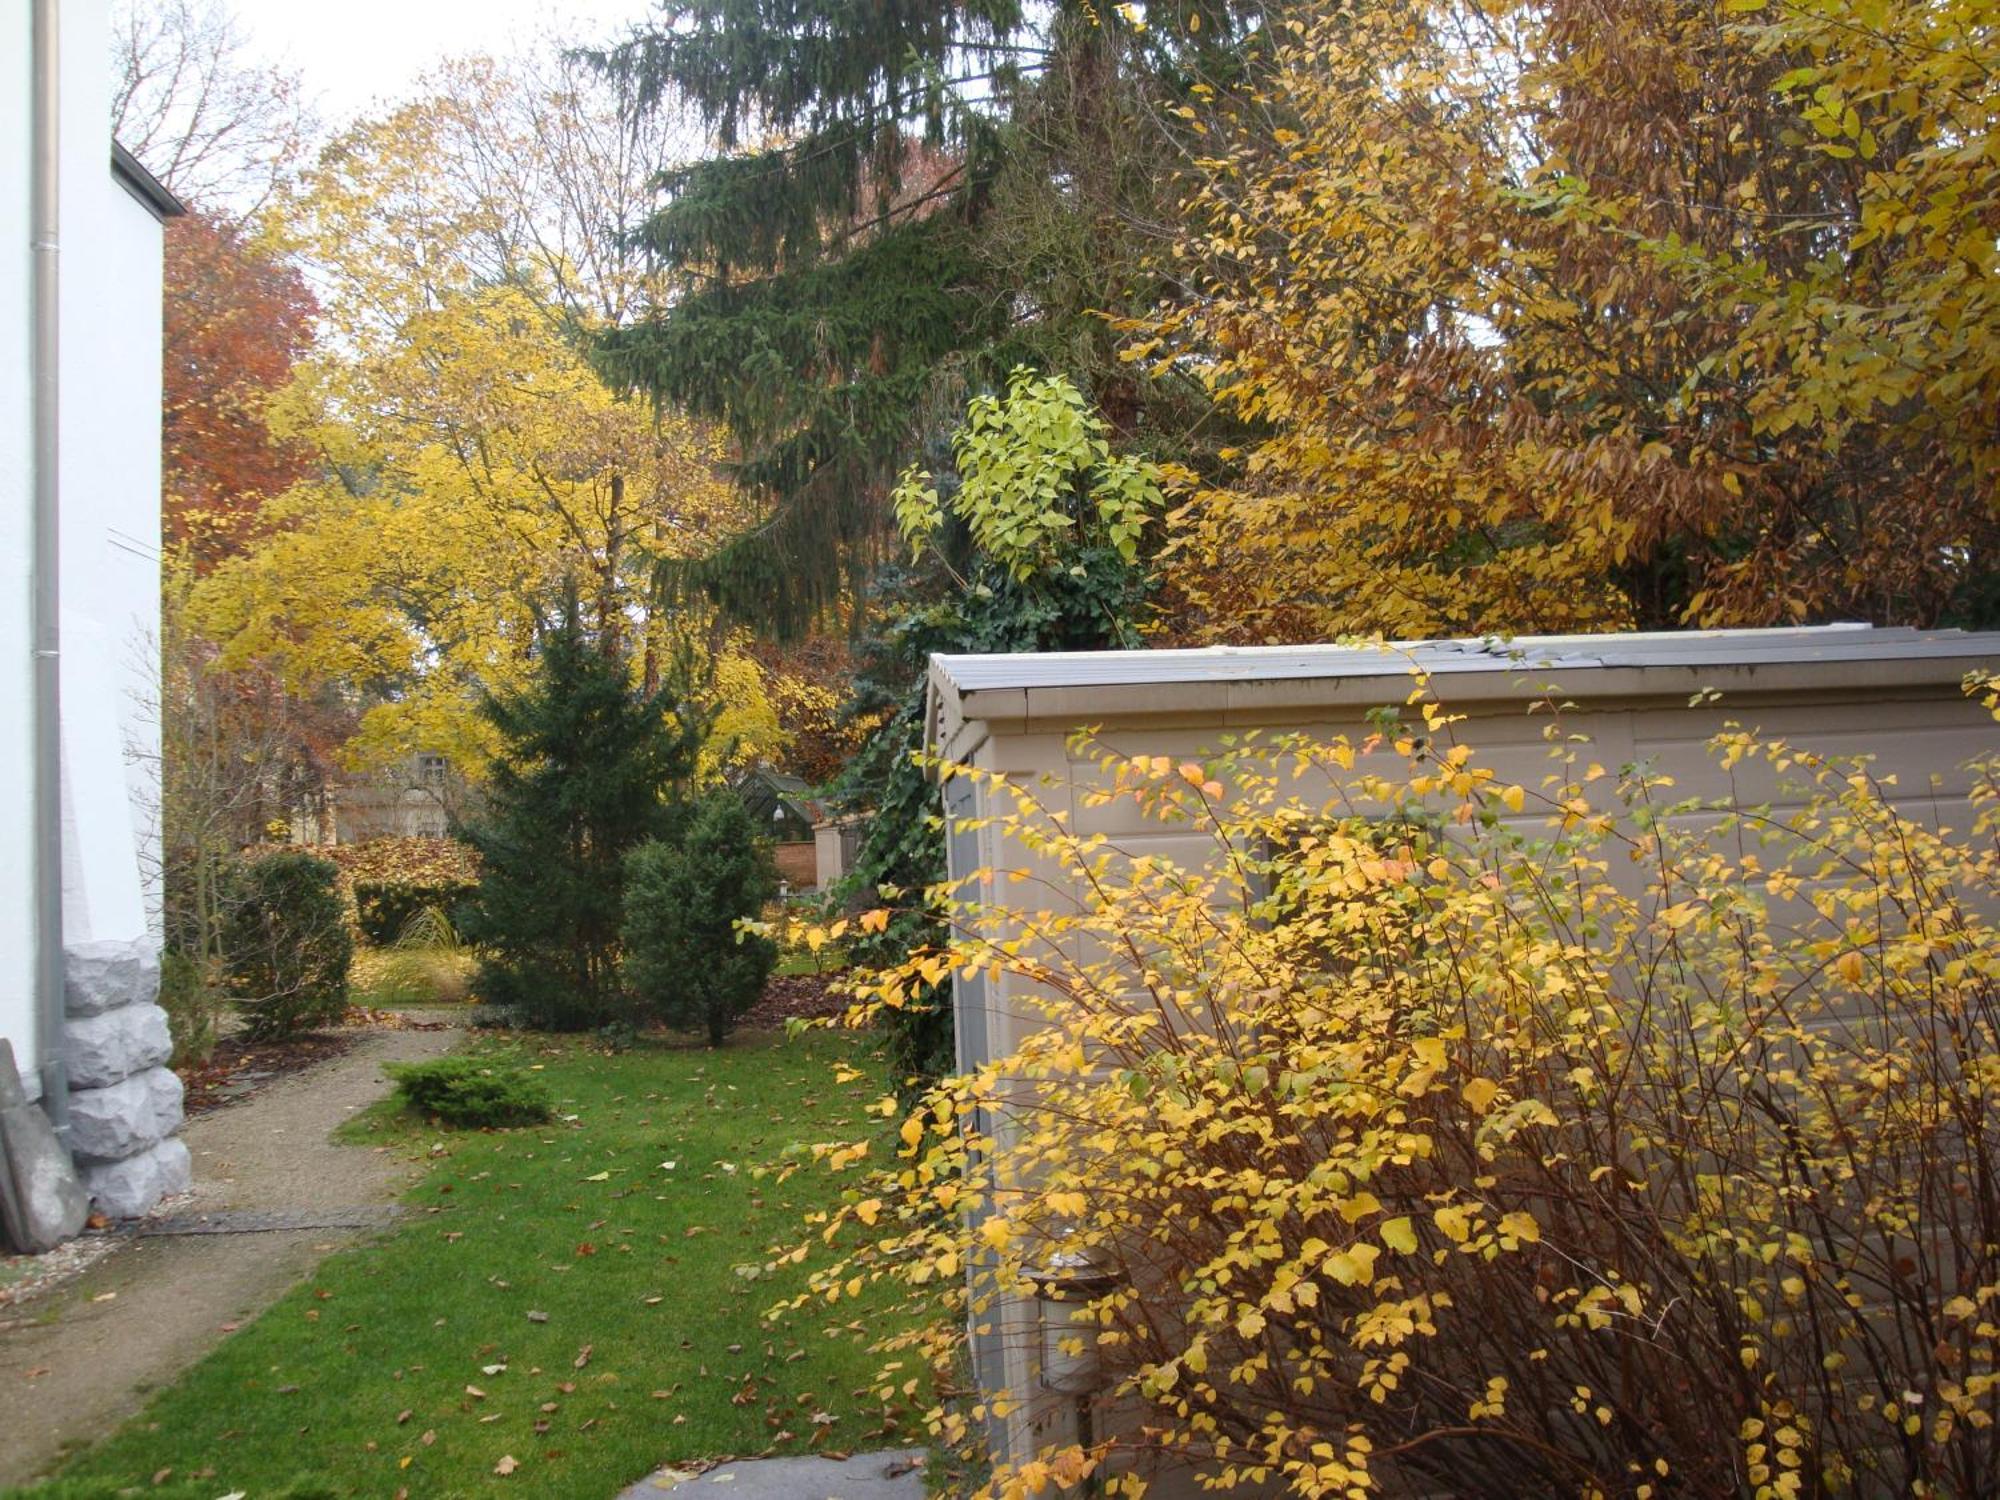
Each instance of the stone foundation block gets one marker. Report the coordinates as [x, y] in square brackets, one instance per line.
[125, 1189]
[98, 977]
[44, 1203]
[169, 1099]
[109, 1124]
[104, 1049]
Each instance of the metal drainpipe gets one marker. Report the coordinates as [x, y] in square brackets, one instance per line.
[47, 560]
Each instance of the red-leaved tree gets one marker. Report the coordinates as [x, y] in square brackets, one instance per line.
[237, 316]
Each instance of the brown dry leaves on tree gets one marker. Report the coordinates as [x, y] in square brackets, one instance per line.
[1573, 315]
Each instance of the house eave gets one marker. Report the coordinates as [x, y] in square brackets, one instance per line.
[154, 195]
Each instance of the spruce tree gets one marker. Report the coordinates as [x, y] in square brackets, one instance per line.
[687, 964]
[936, 192]
[588, 769]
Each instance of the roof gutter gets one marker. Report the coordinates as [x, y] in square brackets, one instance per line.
[47, 557]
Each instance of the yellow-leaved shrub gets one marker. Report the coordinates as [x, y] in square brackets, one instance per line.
[1443, 1135]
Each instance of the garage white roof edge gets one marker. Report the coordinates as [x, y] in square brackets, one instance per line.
[1078, 685]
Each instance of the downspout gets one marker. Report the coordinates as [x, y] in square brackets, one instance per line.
[47, 558]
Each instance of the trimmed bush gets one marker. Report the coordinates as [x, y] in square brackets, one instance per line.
[471, 1092]
[685, 961]
[286, 944]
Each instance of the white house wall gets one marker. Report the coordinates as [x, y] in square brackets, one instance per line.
[17, 488]
[110, 332]
[123, 1104]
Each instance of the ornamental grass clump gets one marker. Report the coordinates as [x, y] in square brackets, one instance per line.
[1438, 1134]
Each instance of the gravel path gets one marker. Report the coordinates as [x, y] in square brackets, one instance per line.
[80, 1360]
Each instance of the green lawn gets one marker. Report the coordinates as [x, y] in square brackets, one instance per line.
[560, 1297]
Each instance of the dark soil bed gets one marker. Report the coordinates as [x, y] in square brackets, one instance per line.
[239, 1067]
[796, 997]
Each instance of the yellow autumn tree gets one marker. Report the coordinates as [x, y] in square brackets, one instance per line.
[1398, 1145]
[1581, 315]
[472, 468]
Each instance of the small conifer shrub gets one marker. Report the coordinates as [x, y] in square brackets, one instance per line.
[471, 1091]
[685, 960]
[587, 770]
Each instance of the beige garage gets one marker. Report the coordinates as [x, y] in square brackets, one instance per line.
[1894, 694]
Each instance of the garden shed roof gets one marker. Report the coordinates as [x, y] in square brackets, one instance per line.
[1252, 683]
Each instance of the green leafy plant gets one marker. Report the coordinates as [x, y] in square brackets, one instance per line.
[684, 958]
[472, 1092]
[1036, 473]
[192, 1007]
[1001, 581]
[287, 948]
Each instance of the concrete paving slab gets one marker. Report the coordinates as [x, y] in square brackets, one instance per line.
[890, 1474]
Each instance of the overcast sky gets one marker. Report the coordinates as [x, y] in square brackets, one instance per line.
[356, 52]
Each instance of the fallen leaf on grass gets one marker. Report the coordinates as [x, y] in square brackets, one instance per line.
[402, 1416]
[493, 1369]
[537, 1316]
[507, 1465]
[582, 1357]
[598, 1177]
[475, 1393]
